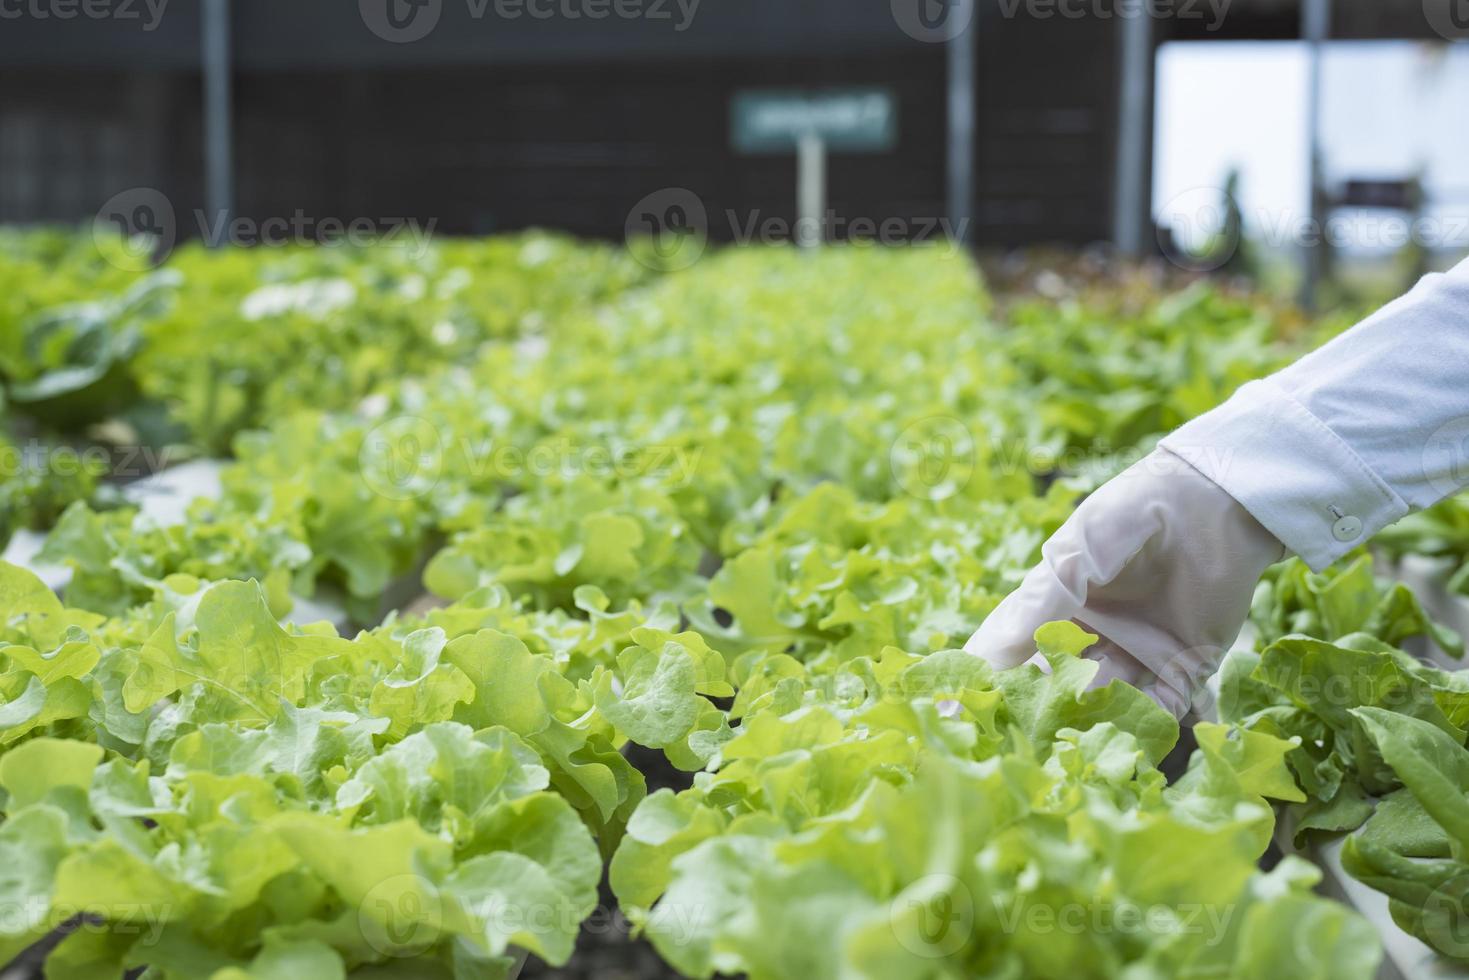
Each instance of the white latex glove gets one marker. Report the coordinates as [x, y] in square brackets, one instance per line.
[1160, 563]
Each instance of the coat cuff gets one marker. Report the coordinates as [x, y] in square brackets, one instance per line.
[1296, 476]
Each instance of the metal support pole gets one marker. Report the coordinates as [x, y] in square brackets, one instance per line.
[811, 191]
[961, 58]
[1130, 192]
[219, 178]
[1315, 27]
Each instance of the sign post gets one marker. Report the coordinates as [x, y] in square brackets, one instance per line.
[1315, 28]
[219, 169]
[810, 191]
[766, 121]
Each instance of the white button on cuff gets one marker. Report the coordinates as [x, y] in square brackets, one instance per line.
[1346, 529]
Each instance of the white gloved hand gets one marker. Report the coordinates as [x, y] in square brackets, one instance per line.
[1160, 563]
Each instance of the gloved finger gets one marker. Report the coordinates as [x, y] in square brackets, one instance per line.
[1091, 549]
[1113, 664]
[1118, 664]
[1169, 698]
[1103, 651]
[1007, 636]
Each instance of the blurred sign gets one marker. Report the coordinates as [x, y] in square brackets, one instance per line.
[1397, 195]
[859, 120]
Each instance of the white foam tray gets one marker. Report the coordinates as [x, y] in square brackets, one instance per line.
[1427, 577]
[165, 498]
[1404, 957]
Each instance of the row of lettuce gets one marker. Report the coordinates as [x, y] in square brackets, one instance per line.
[683, 409]
[742, 515]
[223, 797]
[101, 355]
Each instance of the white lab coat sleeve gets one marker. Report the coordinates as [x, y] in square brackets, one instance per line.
[1354, 436]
